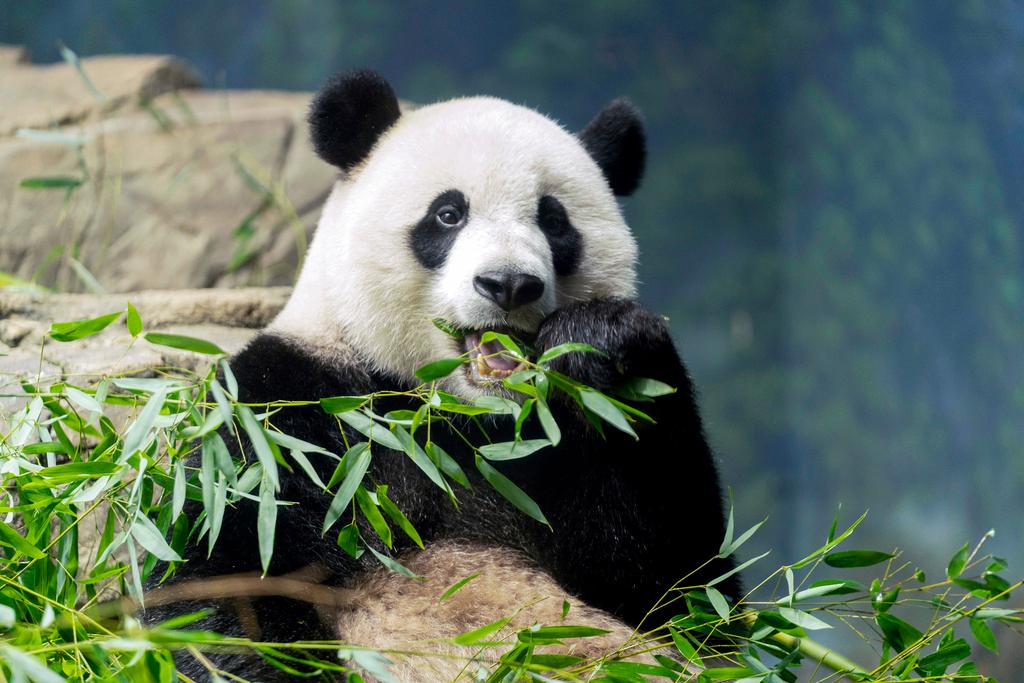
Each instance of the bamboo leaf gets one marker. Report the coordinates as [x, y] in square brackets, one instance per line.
[898, 633]
[307, 467]
[719, 602]
[832, 542]
[524, 414]
[733, 546]
[547, 422]
[856, 558]
[457, 586]
[686, 648]
[53, 136]
[740, 568]
[983, 634]
[212, 481]
[448, 328]
[151, 538]
[464, 409]
[56, 182]
[178, 495]
[260, 444]
[25, 665]
[510, 491]
[569, 347]
[606, 410]
[397, 516]
[71, 471]
[223, 404]
[438, 369]
[350, 542]
[447, 464]
[133, 320]
[958, 562]
[12, 539]
[266, 521]
[357, 461]
[479, 634]
[185, 343]
[648, 388]
[295, 444]
[341, 404]
[372, 515]
[511, 450]
[498, 404]
[940, 660]
[555, 633]
[419, 458]
[392, 564]
[829, 587]
[504, 340]
[374, 663]
[371, 429]
[80, 329]
[138, 434]
[229, 377]
[83, 400]
[803, 619]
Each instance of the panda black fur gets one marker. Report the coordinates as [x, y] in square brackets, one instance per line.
[491, 216]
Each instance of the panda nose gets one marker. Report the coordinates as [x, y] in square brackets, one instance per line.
[509, 290]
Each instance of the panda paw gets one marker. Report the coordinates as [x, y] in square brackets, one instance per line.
[634, 341]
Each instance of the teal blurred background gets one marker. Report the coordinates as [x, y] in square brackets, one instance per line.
[832, 216]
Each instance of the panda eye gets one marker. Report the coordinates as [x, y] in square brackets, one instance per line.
[448, 216]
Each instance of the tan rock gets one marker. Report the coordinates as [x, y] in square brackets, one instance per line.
[11, 55]
[41, 96]
[12, 332]
[201, 189]
[228, 318]
[251, 307]
[86, 362]
[17, 366]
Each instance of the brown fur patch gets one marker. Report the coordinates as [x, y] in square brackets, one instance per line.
[403, 615]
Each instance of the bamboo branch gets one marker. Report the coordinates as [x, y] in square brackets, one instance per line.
[824, 656]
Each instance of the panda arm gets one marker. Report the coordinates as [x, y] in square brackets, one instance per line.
[631, 517]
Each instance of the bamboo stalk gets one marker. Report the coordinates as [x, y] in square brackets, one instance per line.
[824, 656]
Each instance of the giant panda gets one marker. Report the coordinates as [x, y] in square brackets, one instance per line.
[491, 216]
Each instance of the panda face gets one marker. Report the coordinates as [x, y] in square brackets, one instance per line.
[495, 275]
[477, 211]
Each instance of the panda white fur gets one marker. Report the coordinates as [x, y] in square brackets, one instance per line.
[491, 216]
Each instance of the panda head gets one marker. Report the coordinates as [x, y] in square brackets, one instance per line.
[483, 213]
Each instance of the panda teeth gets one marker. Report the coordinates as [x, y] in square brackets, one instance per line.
[485, 370]
[481, 360]
[482, 367]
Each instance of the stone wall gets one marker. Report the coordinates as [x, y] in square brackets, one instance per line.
[160, 184]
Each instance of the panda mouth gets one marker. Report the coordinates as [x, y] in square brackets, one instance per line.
[490, 361]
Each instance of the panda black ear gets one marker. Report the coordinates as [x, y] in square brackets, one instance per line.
[616, 140]
[349, 114]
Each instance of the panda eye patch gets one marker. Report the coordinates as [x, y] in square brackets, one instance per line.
[565, 241]
[433, 236]
[449, 216]
[551, 216]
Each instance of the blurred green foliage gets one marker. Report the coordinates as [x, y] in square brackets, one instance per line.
[832, 216]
